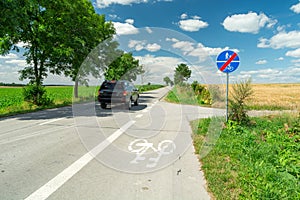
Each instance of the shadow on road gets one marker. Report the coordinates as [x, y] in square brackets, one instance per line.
[80, 110]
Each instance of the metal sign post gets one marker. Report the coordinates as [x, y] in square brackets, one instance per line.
[227, 62]
[227, 89]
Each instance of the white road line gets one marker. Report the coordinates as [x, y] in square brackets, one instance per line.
[49, 188]
[50, 121]
[34, 134]
[139, 116]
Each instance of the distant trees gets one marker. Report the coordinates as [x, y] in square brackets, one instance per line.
[57, 35]
[168, 81]
[182, 73]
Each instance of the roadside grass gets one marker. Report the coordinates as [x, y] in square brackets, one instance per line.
[144, 88]
[12, 100]
[258, 161]
[182, 95]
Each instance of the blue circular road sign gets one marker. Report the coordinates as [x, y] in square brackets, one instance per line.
[228, 61]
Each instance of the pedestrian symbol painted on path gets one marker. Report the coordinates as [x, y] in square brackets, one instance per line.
[228, 61]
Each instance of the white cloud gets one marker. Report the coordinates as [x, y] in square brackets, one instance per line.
[158, 67]
[22, 44]
[126, 28]
[107, 3]
[261, 62]
[281, 40]
[184, 16]
[284, 75]
[296, 61]
[133, 43]
[140, 45]
[296, 8]
[184, 46]
[204, 53]
[294, 53]
[216, 51]
[149, 30]
[9, 56]
[191, 25]
[153, 47]
[129, 21]
[21, 63]
[280, 58]
[196, 49]
[172, 40]
[247, 23]
[113, 16]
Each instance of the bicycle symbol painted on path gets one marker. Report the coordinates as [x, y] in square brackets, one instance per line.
[141, 146]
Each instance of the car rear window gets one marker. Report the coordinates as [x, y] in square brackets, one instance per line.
[111, 86]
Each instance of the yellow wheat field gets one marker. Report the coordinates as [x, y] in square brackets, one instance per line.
[276, 96]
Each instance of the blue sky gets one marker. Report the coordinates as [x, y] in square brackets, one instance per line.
[264, 33]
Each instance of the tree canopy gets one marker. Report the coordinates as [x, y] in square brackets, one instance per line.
[168, 81]
[125, 67]
[57, 35]
[182, 73]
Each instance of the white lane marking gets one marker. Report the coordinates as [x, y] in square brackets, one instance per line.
[139, 116]
[27, 136]
[50, 121]
[49, 188]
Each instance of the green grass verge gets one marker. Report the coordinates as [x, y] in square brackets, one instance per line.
[184, 95]
[144, 88]
[261, 161]
[12, 101]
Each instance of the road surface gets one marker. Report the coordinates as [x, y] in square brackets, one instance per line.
[85, 152]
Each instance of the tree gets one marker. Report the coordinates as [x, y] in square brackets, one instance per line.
[167, 80]
[182, 73]
[89, 38]
[125, 67]
[58, 35]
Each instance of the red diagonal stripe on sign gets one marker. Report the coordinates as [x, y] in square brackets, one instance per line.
[228, 62]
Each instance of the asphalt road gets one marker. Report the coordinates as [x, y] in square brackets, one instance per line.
[85, 152]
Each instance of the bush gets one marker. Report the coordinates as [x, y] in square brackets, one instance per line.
[202, 93]
[37, 95]
[237, 103]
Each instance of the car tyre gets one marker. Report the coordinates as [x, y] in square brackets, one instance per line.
[136, 103]
[103, 105]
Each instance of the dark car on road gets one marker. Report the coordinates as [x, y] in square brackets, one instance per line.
[121, 91]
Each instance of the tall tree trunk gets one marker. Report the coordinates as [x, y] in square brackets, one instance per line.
[76, 89]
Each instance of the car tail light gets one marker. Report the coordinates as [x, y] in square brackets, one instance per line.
[124, 93]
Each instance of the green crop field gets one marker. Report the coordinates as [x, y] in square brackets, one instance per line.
[12, 101]
[10, 97]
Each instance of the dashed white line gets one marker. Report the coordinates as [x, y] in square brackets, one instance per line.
[49, 188]
[139, 116]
